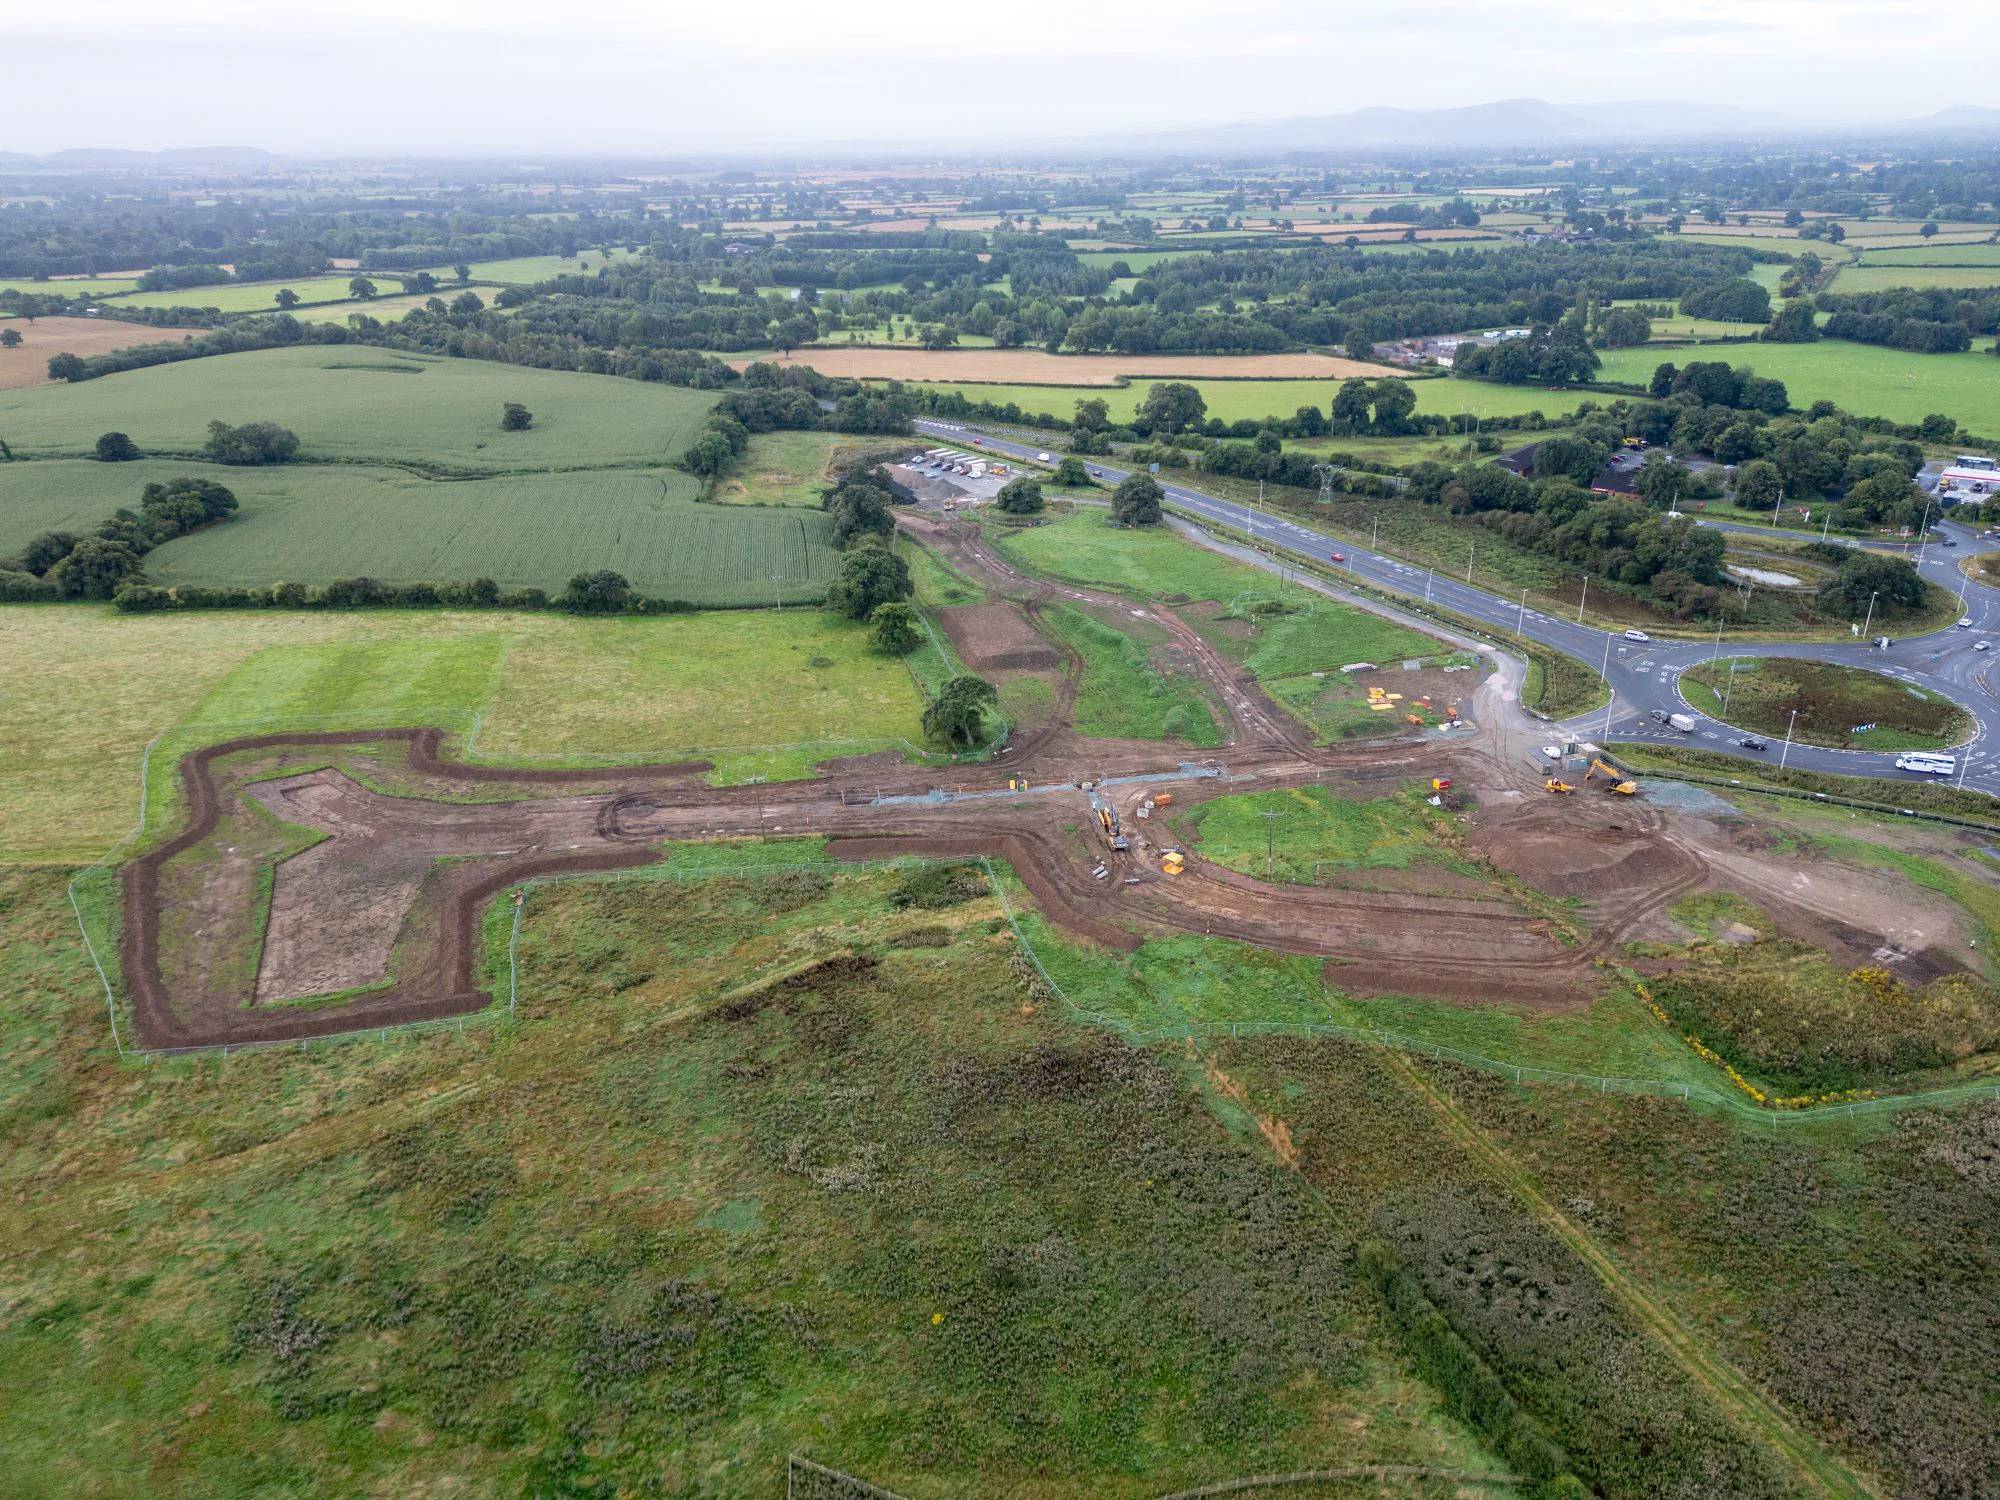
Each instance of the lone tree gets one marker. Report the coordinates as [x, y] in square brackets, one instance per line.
[870, 575]
[1136, 501]
[66, 367]
[514, 417]
[1173, 405]
[361, 287]
[1022, 497]
[1071, 474]
[286, 298]
[894, 629]
[959, 713]
[10, 338]
[116, 448]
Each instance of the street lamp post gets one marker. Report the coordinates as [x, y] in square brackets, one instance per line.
[1429, 579]
[1924, 532]
[1787, 753]
[1729, 687]
[1871, 613]
[1469, 551]
[1582, 598]
[1269, 827]
[1521, 617]
[1374, 530]
[1610, 693]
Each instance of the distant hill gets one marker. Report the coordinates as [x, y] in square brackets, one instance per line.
[1975, 118]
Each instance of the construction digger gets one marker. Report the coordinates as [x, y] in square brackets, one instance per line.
[1170, 862]
[1620, 786]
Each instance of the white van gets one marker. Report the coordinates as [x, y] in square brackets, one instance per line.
[1637, 635]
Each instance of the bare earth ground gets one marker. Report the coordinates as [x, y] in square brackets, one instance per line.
[1035, 367]
[29, 364]
[389, 902]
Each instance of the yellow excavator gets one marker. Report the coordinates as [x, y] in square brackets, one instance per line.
[1620, 785]
[1558, 786]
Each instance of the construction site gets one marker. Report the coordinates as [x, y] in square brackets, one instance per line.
[328, 882]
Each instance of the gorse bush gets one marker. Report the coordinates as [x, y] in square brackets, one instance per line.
[1797, 1023]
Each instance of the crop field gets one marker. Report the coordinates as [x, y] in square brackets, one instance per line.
[85, 690]
[1861, 378]
[244, 296]
[1832, 703]
[345, 521]
[28, 364]
[368, 404]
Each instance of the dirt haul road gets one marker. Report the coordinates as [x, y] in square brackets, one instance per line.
[375, 917]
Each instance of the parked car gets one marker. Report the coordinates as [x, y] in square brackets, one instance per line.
[1751, 742]
[1637, 635]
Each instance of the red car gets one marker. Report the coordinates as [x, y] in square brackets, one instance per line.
[1340, 557]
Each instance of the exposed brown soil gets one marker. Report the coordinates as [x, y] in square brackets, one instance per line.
[46, 337]
[995, 637]
[379, 922]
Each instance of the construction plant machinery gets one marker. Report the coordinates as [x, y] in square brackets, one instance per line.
[1171, 861]
[1620, 786]
[1107, 819]
[1555, 785]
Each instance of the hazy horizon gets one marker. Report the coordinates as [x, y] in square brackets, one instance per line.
[626, 79]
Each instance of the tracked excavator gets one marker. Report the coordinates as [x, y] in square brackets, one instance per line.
[1620, 785]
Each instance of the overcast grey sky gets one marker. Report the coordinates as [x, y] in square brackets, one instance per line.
[627, 75]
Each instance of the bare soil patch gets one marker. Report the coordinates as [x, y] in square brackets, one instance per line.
[46, 337]
[995, 636]
[1034, 367]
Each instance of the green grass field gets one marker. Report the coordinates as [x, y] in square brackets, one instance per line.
[249, 296]
[1831, 702]
[525, 270]
[782, 468]
[1239, 400]
[369, 404]
[1126, 691]
[385, 309]
[1861, 378]
[66, 286]
[85, 690]
[1935, 255]
[1882, 277]
[1309, 830]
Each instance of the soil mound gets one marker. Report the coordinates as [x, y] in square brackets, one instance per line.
[992, 637]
